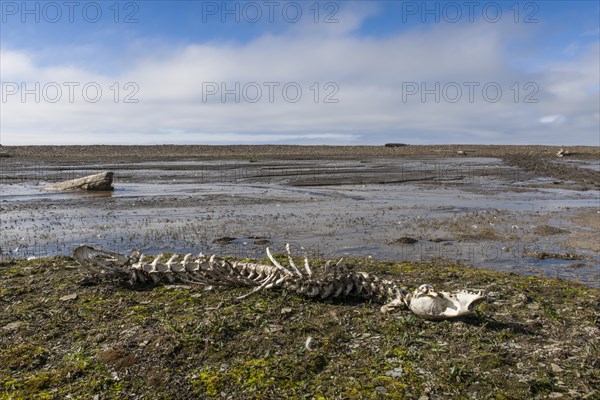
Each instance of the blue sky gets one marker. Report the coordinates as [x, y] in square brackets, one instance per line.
[300, 72]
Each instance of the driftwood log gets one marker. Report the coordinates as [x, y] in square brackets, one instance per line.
[98, 182]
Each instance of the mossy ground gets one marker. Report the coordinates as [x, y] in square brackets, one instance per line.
[533, 338]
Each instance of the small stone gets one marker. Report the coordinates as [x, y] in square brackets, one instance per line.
[99, 338]
[395, 373]
[405, 240]
[13, 326]
[522, 298]
[178, 287]
[69, 297]
[380, 389]
[224, 367]
[286, 310]
[555, 368]
[555, 395]
[273, 328]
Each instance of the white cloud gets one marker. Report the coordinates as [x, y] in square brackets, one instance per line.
[369, 77]
[16, 65]
[552, 119]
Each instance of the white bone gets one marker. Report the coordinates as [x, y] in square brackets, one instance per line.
[170, 261]
[155, 263]
[307, 266]
[291, 260]
[276, 263]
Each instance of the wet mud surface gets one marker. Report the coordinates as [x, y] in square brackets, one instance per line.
[520, 210]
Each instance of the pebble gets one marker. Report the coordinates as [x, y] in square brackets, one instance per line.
[522, 297]
[178, 287]
[273, 328]
[99, 338]
[13, 326]
[395, 373]
[69, 297]
[555, 368]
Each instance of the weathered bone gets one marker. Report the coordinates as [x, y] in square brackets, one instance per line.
[427, 303]
[214, 271]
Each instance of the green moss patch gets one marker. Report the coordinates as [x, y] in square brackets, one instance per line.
[533, 338]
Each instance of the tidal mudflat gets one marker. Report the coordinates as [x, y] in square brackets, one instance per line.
[425, 214]
[479, 211]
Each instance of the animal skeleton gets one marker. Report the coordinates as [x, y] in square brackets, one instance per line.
[333, 282]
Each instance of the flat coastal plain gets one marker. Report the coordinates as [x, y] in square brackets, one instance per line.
[516, 222]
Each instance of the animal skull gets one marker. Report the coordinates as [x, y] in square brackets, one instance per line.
[429, 304]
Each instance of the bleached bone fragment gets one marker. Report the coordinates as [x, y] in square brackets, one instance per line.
[276, 263]
[307, 266]
[291, 260]
[562, 153]
[171, 261]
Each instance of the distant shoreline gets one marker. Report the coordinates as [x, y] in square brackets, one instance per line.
[169, 152]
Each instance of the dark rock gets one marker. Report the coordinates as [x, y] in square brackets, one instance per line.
[405, 240]
[224, 240]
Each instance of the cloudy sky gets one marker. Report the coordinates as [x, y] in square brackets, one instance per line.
[300, 72]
